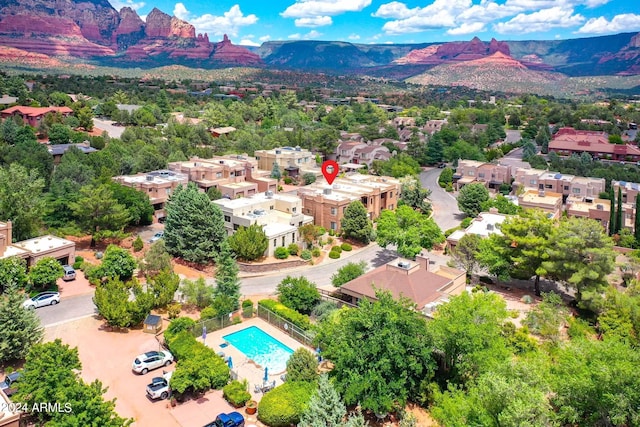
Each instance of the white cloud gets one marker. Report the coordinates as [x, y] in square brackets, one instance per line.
[119, 4]
[540, 21]
[180, 11]
[229, 23]
[316, 21]
[475, 27]
[395, 10]
[248, 42]
[439, 14]
[313, 8]
[619, 23]
[595, 3]
[354, 37]
[313, 34]
[265, 38]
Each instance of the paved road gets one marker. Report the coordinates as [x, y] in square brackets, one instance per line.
[70, 308]
[107, 125]
[445, 207]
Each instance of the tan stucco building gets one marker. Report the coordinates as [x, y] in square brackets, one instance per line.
[35, 249]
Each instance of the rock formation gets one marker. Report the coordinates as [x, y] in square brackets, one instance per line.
[456, 51]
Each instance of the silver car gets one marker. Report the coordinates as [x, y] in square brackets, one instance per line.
[42, 299]
[151, 360]
[159, 235]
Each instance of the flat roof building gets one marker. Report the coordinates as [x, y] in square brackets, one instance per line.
[157, 185]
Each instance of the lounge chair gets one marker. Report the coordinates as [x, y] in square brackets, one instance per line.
[257, 388]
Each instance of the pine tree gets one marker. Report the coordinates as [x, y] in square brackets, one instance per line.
[194, 228]
[227, 283]
[636, 223]
[612, 216]
[619, 217]
[19, 328]
[325, 409]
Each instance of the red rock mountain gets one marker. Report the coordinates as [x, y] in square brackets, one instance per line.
[93, 28]
[454, 52]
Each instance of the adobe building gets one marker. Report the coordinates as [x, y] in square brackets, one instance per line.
[424, 285]
[35, 249]
[158, 185]
[588, 207]
[568, 141]
[548, 201]
[567, 185]
[490, 174]
[290, 159]
[33, 116]
[485, 224]
[327, 203]
[279, 214]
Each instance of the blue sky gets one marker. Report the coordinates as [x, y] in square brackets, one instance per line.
[251, 22]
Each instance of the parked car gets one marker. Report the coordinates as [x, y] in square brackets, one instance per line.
[7, 386]
[159, 235]
[42, 299]
[69, 273]
[159, 386]
[151, 360]
[232, 419]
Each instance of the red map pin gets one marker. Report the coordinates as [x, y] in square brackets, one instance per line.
[330, 170]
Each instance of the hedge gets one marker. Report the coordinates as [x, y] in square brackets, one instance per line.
[284, 405]
[281, 253]
[334, 254]
[346, 247]
[236, 393]
[298, 319]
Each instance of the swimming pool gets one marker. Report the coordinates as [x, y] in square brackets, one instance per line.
[261, 347]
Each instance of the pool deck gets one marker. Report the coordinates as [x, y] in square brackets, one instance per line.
[244, 367]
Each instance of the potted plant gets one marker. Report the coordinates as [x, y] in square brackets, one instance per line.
[251, 407]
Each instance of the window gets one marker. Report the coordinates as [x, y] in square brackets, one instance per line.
[257, 157]
[471, 173]
[236, 226]
[344, 208]
[532, 182]
[283, 243]
[575, 190]
[293, 209]
[275, 243]
[293, 237]
[227, 218]
[271, 207]
[548, 186]
[334, 211]
[391, 194]
[218, 174]
[150, 190]
[566, 187]
[390, 207]
[481, 175]
[333, 225]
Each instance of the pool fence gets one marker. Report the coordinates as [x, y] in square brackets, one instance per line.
[286, 326]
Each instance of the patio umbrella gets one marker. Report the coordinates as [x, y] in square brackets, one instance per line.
[204, 333]
[266, 375]
[230, 362]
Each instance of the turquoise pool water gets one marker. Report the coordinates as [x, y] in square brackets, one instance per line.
[261, 347]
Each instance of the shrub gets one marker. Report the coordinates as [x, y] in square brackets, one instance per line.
[450, 231]
[298, 293]
[236, 393]
[173, 310]
[247, 303]
[77, 264]
[332, 232]
[281, 253]
[348, 272]
[466, 222]
[298, 319]
[330, 239]
[178, 325]
[321, 231]
[334, 255]
[293, 249]
[138, 244]
[302, 366]
[305, 254]
[284, 405]
[323, 309]
[336, 249]
[247, 308]
[346, 247]
[315, 252]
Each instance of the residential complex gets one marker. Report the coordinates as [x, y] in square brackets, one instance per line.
[158, 185]
[485, 224]
[33, 116]
[293, 160]
[547, 201]
[410, 279]
[279, 214]
[566, 185]
[568, 141]
[629, 192]
[327, 203]
[35, 249]
[361, 153]
[490, 174]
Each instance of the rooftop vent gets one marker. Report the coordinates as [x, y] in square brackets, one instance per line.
[221, 162]
[600, 207]
[326, 191]
[278, 152]
[540, 193]
[404, 264]
[298, 148]
[149, 177]
[490, 227]
[268, 194]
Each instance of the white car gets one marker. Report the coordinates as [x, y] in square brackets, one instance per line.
[42, 299]
[159, 235]
[151, 360]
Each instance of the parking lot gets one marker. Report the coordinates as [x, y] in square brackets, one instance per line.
[108, 356]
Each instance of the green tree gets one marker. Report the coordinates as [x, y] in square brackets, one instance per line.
[446, 177]
[465, 253]
[249, 243]
[547, 317]
[136, 202]
[502, 204]
[21, 200]
[97, 210]
[522, 249]
[409, 230]
[156, 259]
[308, 234]
[227, 282]
[13, 273]
[414, 195]
[612, 213]
[45, 273]
[355, 223]
[348, 272]
[325, 409]
[619, 215]
[471, 197]
[194, 227]
[276, 173]
[117, 262]
[381, 352]
[302, 366]
[197, 292]
[163, 285]
[636, 224]
[467, 335]
[581, 256]
[112, 301]
[19, 328]
[298, 293]
[50, 376]
[214, 193]
[59, 134]
[309, 178]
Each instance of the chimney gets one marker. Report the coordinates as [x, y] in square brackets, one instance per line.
[423, 261]
[540, 193]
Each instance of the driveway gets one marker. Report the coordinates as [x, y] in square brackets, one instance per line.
[445, 207]
[107, 356]
[107, 126]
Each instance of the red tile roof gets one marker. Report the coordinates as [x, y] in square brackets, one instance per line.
[36, 111]
[589, 141]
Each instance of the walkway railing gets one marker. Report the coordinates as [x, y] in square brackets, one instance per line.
[329, 296]
[286, 326]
